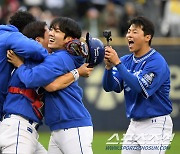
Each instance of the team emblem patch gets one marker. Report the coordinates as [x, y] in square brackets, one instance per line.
[149, 78]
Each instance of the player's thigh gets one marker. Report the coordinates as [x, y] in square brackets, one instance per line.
[129, 145]
[74, 140]
[40, 149]
[53, 147]
[157, 134]
[17, 137]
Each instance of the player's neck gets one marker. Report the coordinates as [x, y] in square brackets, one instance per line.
[142, 51]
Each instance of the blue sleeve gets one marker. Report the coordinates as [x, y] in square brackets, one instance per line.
[112, 81]
[153, 75]
[130, 79]
[25, 47]
[42, 74]
[1, 110]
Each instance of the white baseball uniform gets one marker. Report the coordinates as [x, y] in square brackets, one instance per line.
[18, 136]
[71, 141]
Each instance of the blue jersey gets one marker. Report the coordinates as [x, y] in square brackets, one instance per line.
[153, 79]
[11, 38]
[18, 104]
[63, 108]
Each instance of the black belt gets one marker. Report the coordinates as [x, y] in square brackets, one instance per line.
[36, 126]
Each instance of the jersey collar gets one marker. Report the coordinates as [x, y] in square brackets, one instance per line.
[138, 60]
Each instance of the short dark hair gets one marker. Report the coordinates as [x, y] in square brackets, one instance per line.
[35, 29]
[21, 18]
[147, 26]
[68, 26]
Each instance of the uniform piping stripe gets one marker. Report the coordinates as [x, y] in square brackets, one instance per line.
[162, 132]
[140, 60]
[17, 138]
[144, 89]
[80, 140]
[116, 79]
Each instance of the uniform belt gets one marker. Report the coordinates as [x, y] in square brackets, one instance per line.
[34, 124]
[138, 119]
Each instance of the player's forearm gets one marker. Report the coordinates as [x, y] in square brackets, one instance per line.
[36, 76]
[29, 49]
[60, 83]
[129, 78]
[108, 82]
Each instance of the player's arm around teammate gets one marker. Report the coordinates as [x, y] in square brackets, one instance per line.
[21, 121]
[65, 114]
[60, 82]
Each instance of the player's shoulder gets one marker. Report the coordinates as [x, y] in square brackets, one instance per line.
[60, 55]
[127, 57]
[157, 56]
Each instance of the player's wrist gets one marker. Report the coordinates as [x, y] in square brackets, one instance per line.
[118, 63]
[108, 67]
[75, 73]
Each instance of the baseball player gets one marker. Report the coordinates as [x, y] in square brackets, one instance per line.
[12, 38]
[68, 119]
[18, 131]
[145, 78]
[21, 119]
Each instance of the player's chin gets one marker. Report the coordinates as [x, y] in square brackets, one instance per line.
[51, 45]
[131, 49]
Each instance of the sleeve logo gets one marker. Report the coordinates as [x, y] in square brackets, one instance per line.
[149, 78]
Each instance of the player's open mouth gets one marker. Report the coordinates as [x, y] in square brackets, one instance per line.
[51, 40]
[130, 42]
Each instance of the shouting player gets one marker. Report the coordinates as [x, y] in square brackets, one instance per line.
[145, 78]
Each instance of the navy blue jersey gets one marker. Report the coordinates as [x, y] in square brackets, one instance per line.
[11, 38]
[153, 76]
[63, 108]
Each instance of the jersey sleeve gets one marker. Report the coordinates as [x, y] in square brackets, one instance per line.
[112, 81]
[25, 47]
[42, 74]
[153, 75]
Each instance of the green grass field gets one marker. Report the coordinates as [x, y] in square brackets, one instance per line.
[100, 139]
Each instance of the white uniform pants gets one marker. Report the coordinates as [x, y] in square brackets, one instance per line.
[71, 141]
[149, 136]
[18, 136]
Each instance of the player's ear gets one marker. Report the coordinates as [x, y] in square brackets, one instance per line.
[148, 37]
[68, 39]
[37, 39]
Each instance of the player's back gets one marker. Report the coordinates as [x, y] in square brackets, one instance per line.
[5, 67]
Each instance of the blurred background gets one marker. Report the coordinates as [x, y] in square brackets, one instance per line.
[95, 16]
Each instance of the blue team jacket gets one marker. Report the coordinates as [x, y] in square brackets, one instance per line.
[11, 38]
[63, 108]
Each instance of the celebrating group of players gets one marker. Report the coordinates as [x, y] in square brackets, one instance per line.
[39, 73]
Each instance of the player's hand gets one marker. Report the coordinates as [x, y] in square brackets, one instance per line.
[84, 70]
[14, 59]
[111, 55]
[108, 64]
